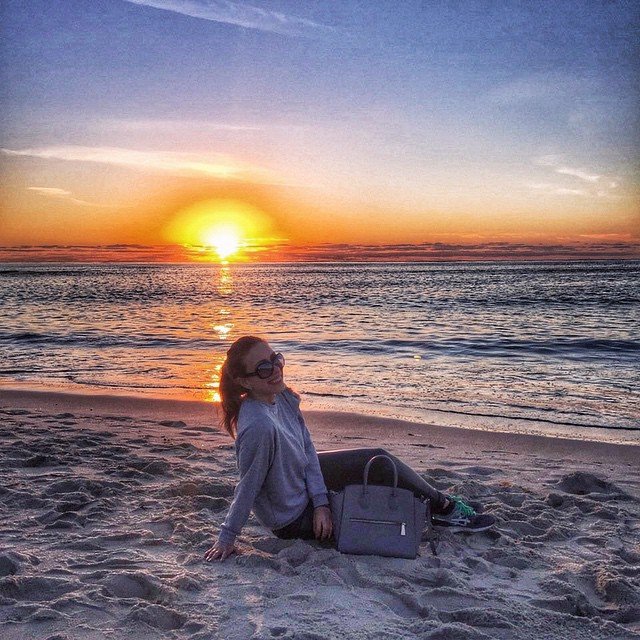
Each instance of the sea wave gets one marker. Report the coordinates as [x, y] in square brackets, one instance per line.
[508, 412]
[569, 347]
[91, 340]
[487, 347]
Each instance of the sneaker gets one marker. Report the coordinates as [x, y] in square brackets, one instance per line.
[463, 518]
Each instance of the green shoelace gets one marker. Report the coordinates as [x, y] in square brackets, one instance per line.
[464, 508]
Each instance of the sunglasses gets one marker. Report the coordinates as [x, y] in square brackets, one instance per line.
[265, 368]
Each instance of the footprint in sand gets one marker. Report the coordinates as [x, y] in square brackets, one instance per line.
[139, 585]
[10, 564]
[581, 483]
[36, 589]
[157, 616]
[174, 424]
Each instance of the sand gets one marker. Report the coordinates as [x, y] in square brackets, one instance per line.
[107, 505]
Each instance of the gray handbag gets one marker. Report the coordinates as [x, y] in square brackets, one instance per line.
[378, 520]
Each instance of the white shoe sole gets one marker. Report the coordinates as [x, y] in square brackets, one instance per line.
[459, 529]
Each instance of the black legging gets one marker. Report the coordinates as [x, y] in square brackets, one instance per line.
[346, 466]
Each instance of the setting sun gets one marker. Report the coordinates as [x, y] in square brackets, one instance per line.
[220, 229]
[224, 240]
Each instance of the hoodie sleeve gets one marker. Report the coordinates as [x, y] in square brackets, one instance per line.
[316, 488]
[255, 447]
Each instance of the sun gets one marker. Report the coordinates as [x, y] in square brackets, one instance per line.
[218, 229]
[224, 240]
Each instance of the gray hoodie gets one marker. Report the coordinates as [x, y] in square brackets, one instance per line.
[278, 465]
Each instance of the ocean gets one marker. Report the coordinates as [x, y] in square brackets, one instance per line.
[535, 347]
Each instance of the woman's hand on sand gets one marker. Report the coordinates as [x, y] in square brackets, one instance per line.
[322, 523]
[222, 551]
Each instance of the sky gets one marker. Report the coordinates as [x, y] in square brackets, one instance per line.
[395, 128]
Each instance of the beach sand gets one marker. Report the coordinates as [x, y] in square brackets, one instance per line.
[107, 505]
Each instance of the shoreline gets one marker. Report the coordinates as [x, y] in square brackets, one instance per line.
[439, 418]
[325, 425]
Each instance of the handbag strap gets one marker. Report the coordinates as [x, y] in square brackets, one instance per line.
[368, 466]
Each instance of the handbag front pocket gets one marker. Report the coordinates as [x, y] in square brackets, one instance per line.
[397, 523]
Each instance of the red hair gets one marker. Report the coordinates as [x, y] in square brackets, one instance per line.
[231, 393]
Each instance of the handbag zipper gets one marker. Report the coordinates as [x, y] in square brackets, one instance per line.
[403, 528]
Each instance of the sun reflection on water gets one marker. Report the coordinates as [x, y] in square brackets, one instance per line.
[211, 393]
[225, 283]
[223, 330]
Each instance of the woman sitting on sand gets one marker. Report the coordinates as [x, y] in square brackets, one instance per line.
[282, 478]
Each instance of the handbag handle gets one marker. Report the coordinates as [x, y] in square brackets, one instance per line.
[368, 466]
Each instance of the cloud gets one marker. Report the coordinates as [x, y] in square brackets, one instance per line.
[180, 125]
[52, 192]
[600, 185]
[606, 246]
[181, 164]
[563, 191]
[548, 160]
[609, 237]
[578, 173]
[62, 194]
[541, 186]
[241, 15]
[556, 189]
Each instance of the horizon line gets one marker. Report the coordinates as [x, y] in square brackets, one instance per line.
[424, 252]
